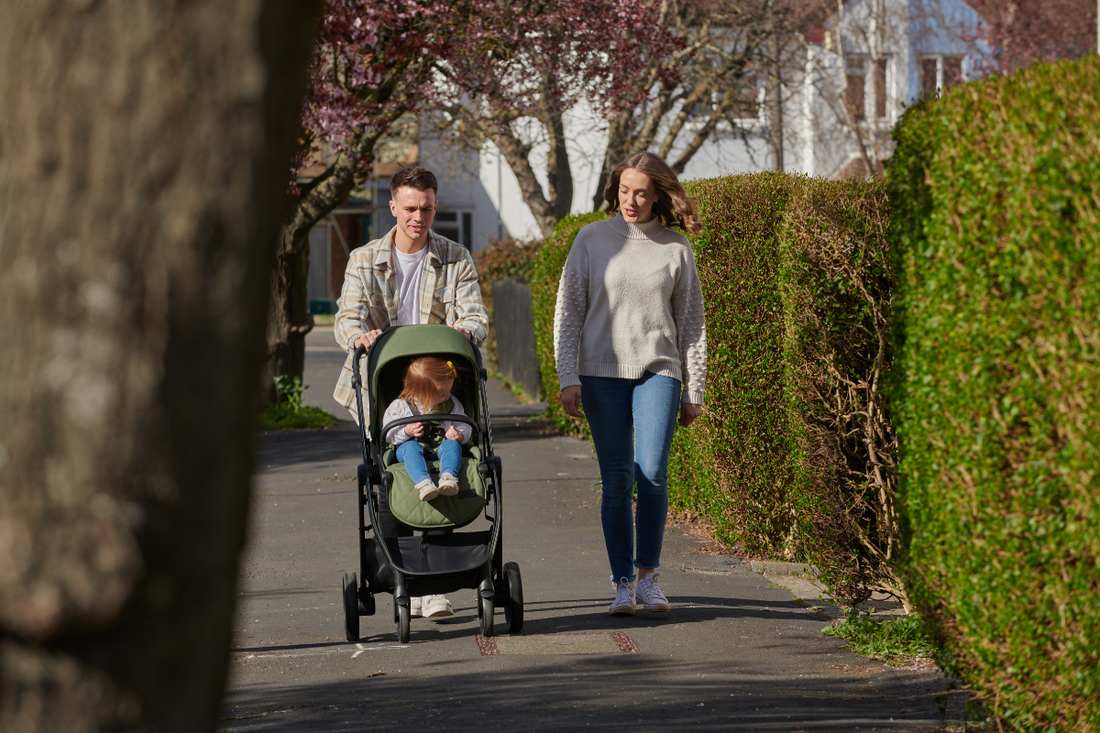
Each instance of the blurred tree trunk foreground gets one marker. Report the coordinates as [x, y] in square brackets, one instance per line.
[143, 155]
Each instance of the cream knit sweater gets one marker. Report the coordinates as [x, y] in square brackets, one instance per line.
[629, 301]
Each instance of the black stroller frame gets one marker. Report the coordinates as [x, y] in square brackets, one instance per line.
[432, 561]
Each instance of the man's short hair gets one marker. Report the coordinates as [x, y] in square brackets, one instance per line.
[417, 178]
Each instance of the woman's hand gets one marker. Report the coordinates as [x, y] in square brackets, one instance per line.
[414, 429]
[571, 401]
[453, 434]
[688, 412]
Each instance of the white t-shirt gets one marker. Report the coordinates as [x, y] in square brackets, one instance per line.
[409, 268]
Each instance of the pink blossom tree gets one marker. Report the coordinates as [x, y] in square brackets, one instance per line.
[484, 64]
[553, 55]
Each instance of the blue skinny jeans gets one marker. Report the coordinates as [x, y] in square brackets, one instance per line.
[632, 422]
[411, 453]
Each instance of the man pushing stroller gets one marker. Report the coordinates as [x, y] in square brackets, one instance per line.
[410, 275]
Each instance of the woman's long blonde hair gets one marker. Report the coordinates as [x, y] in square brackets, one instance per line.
[673, 207]
[423, 377]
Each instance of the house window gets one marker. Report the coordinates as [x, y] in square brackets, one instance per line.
[940, 73]
[455, 225]
[867, 89]
[855, 95]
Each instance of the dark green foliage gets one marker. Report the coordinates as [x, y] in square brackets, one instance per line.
[504, 258]
[545, 276]
[794, 453]
[996, 194]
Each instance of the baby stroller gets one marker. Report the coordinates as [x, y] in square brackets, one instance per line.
[437, 559]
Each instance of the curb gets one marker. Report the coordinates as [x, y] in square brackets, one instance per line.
[783, 568]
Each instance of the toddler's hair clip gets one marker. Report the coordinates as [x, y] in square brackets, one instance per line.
[452, 366]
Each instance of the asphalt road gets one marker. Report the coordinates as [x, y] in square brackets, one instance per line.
[736, 653]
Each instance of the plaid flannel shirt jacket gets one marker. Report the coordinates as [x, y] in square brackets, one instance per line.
[449, 294]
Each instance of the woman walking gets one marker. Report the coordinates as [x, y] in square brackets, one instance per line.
[630, 345]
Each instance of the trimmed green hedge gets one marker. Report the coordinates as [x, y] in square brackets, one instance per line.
[736, 464]
[996, 194]
[545, 276]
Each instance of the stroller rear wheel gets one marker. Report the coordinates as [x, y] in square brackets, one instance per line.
[351, 607]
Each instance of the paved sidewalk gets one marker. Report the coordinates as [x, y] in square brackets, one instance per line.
[738, 651]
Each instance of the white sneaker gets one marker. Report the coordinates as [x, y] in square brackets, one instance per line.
[650, 595]
[415, 607]
[427, 489]
[437, 607]
[448, 485]
[623, 605]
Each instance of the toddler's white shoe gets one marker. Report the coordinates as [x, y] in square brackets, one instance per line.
[448, 485]
[623, 605]
[427, 489]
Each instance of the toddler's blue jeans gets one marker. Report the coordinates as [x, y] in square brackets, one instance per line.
[411, 453]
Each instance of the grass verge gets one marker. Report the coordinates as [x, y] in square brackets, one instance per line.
[283, 416]
[897, 639]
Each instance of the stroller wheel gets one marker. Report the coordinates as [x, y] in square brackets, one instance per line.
[513, 601]
[485, 614]
[351, 607]
[401, 621]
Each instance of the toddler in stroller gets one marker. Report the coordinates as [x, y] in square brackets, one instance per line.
[427, 391]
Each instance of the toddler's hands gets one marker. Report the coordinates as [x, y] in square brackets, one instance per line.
[453, 434]
[414, 429]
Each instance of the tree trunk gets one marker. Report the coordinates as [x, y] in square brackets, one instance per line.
[558, 173]
[289, 319]
[774, 93]
[143, 163]
[516, 152]
[618, 150]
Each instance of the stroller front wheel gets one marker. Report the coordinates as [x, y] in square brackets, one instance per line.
[513, 603]
[351, 607]
[485, 614]
[401, 618]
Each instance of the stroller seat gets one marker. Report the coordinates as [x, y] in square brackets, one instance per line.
[443, 511]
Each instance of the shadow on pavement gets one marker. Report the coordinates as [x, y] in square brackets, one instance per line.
[568, 693]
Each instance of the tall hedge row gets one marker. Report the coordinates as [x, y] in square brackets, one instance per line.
[795, 277]
[996, 226]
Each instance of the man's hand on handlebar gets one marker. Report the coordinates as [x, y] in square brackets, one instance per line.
[367, 340]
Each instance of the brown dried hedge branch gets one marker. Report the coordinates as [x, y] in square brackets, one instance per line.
[837, 286]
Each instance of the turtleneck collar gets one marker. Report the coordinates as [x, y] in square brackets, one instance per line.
[646, 230]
